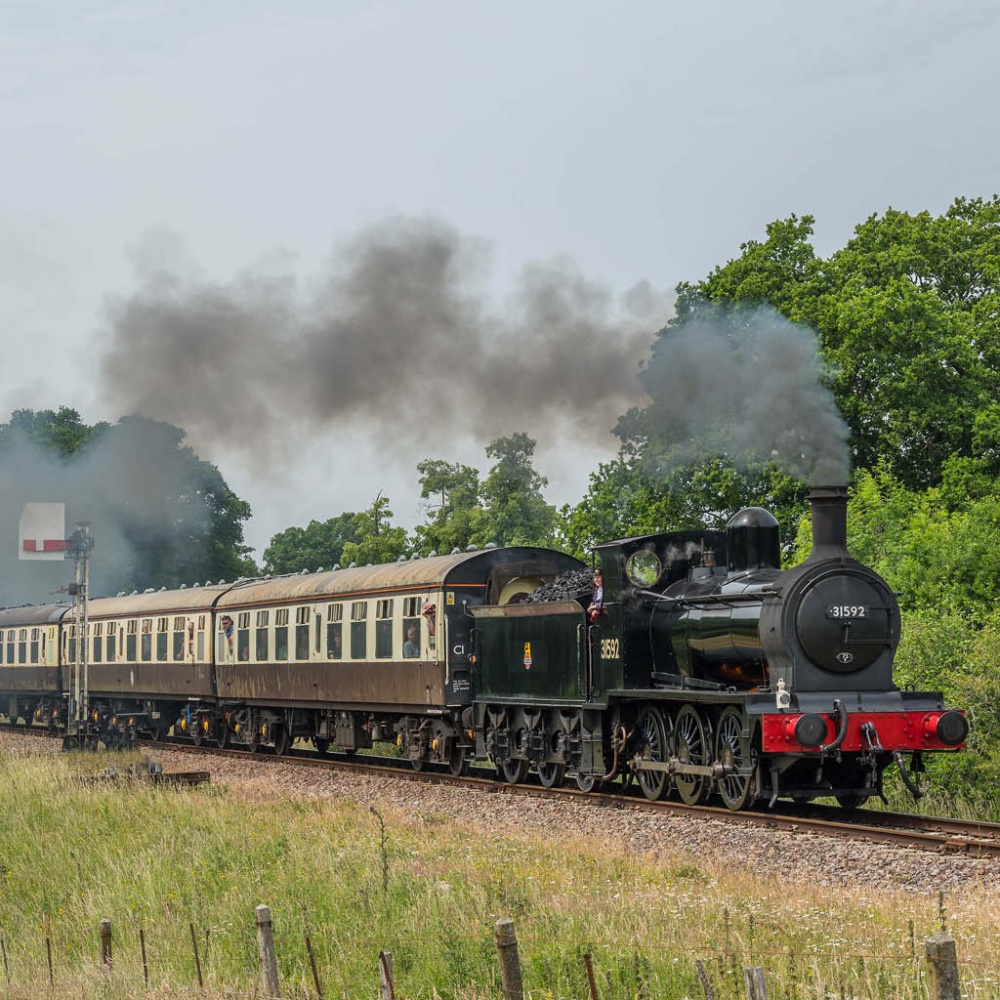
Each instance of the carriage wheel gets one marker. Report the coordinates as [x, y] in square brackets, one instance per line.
[653, 729]
[587, 782]
[551, 775]
[282, 739]
[458, 763]
[690, 747]
[321, 744]
[732, 748]
[222, 734]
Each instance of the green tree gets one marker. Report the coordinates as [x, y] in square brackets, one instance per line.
[320, 543]
[456, 514]
[514, 509]
[379, 541]
[60, 431]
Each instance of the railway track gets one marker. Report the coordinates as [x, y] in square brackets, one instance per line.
[972, 839]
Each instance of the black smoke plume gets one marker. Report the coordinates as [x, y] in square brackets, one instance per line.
[747, 383]
[398, 338]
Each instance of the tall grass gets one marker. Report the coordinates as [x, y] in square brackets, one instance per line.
[429, 890]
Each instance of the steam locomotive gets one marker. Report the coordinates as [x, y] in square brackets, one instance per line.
[706, 671]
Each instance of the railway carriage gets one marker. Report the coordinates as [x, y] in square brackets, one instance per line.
[149, 659]
[30, 683]
[356, 655]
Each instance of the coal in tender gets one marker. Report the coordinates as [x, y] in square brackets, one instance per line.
[576, 585]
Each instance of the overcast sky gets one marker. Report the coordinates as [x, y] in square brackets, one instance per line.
[615, 143]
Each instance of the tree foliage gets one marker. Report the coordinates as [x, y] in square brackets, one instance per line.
[454, 497]
[508, 507]
[378, 540]
[514, 510]
[319, 544]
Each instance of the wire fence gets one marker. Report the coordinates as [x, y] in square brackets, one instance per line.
[931, 971]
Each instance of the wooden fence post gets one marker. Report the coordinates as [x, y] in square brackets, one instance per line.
[591, 981]
[943, 962]
[703, 976]
[197, 957]
[106, 944]
[145, 964]
[510, 963]
[753, 976]
[265, 946]
[388, 990]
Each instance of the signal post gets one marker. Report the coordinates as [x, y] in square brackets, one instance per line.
[42, 536]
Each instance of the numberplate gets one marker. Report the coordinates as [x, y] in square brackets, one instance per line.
[846, 612]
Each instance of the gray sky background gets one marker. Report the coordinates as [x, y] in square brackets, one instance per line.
[616, 142]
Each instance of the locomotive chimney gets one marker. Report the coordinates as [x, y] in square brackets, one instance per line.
[829, 522]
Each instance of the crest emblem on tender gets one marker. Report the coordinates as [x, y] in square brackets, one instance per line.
[845, 657]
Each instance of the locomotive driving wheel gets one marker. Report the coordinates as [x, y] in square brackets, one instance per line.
[733, 749]
[653, 728]
[551, 775]
[514, 771]
[691, 747]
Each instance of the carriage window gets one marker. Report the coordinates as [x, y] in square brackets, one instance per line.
[383, 629]
[98, 644]
[112, 640]
[359, 630]
[243, 636]
[411, 638]
[130, 641]
[33, 649]
[161, 638]
[180, 628]
[10, 645]
[227, 631]
[146, 643]
[281, 634]
[263, 636]
[334, 638]
[70, 644]
[301, 633]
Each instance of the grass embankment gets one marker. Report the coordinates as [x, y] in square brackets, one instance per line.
[430, 891]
